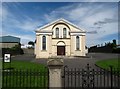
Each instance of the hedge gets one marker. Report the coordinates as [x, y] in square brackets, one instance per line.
[13, 51]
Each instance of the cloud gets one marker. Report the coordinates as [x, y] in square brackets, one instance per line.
[18, 18]
[102, 17]
[60, 1]
[105, 21]
[100, 23]
[92, 32]
[0, 25]
[80, 13]
[99, 19]
[18, 24]
[28, 24]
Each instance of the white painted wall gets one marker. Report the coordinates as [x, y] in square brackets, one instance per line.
[51, 41]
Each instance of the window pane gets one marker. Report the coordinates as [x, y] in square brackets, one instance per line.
[57, 32]
[77, 43]
[44, 39]
[44, 43]
[64, 32]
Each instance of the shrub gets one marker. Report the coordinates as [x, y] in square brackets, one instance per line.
[117, 50]
[14, 50]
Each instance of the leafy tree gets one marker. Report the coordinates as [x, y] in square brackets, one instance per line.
[98, 45]
[105, 44]
[101, 44]
[114, 41]
[31, 43]
[16, 50]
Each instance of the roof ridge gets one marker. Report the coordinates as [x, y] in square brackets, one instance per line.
[57, 21]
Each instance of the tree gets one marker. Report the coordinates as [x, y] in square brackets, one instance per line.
[98, 45]
[114, 41]
[16, 50]
[101, 44]
[31, 43]
[105, 44]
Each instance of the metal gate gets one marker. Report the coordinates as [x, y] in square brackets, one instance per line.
[88, 78]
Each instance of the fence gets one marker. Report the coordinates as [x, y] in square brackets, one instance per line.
[91, 78]
[72, 78]
[25, 78]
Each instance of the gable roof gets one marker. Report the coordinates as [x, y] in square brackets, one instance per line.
[56, 21]
[9, 39]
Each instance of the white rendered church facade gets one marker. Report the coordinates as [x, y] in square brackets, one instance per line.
[59, 38]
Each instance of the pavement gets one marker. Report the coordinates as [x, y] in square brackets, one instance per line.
[71, 62]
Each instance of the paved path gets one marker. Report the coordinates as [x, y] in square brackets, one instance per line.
[93, 57]
[70, 61]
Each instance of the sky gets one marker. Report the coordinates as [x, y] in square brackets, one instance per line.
[99, 19]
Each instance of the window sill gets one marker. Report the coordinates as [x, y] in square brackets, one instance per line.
[44, 50]
[77, 50]
[60, 38]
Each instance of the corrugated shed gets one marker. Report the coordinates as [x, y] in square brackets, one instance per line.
[9, 39]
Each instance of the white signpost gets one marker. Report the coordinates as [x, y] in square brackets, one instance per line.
[7, 58]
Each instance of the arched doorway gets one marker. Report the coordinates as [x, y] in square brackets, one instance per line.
[60, 48]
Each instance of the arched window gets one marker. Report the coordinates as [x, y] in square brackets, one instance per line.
[44, 43]
[57, 32]
[77, 43]
[64, 32]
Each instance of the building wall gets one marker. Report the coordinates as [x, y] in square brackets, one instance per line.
[7, 45]
[37, 46]
[75, 52]
[83, 46]
[51, 47]
[42, 53]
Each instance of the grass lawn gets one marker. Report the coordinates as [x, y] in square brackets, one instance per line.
[109, 62]
[23, 65]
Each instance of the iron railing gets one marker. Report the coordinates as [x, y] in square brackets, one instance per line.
[91, 78]
[25, 78]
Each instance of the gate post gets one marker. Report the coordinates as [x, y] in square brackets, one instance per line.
[55, 70]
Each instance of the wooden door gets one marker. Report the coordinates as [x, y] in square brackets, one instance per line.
[60, 50]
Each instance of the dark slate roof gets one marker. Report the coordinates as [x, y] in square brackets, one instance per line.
[9, 39]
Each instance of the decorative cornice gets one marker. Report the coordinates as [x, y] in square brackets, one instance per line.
[77, 32]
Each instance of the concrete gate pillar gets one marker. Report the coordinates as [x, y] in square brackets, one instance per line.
[55, 69]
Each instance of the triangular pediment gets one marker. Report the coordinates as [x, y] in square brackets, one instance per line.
[61, 20]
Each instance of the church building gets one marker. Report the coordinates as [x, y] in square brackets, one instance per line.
[59, 38]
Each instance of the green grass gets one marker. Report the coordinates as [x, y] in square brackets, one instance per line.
[15, 64]
[105, 64]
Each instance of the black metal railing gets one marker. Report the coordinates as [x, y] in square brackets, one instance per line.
[91, 78]
[25, 78]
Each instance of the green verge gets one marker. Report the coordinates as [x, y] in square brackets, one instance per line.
[23, 65]
[105, 64]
